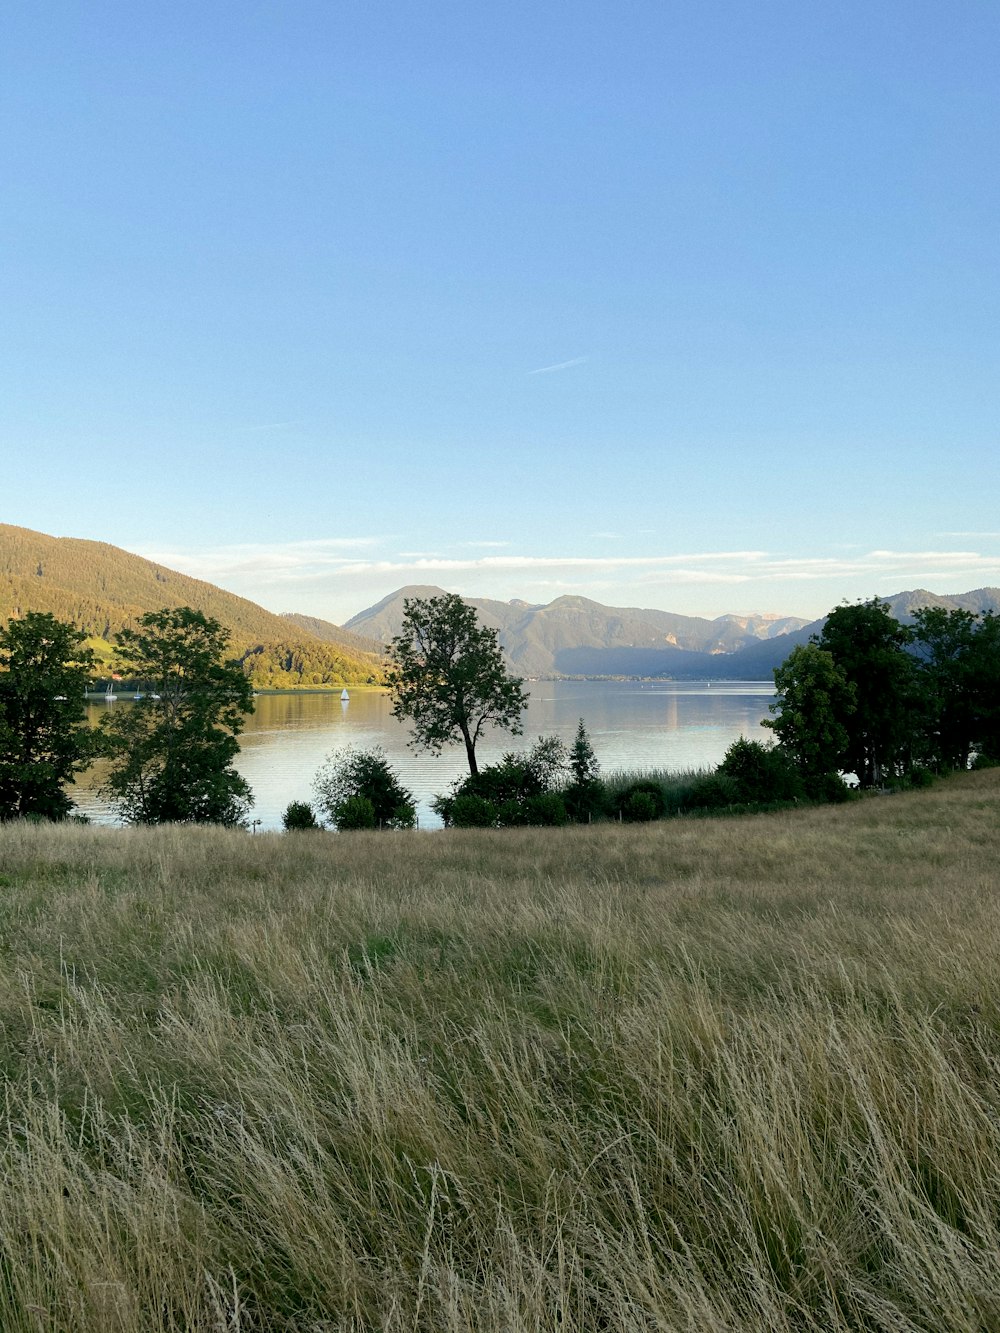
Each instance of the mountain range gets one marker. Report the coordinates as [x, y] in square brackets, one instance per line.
[102, 589]
[573, 636]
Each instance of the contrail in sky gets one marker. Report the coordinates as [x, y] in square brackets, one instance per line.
[560, 365]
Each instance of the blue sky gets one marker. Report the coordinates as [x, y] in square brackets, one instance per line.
[690, 305]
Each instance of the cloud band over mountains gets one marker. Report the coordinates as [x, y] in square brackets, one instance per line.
[336, 577]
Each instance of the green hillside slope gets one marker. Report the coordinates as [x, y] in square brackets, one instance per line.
[102, 589]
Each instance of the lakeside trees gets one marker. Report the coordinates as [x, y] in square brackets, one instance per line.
[172, 752]
[870, 648]
[959, 653]
[882, 700]
[928, 696]
[44, 740]
[814, 701]
[448, 677]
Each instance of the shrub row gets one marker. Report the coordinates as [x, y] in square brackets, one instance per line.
[549, 785]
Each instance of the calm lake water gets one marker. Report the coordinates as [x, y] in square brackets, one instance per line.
[633, 725]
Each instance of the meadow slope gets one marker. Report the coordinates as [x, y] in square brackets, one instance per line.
[702, 1075]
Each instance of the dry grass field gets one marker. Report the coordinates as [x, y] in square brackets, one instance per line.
[695, 1076]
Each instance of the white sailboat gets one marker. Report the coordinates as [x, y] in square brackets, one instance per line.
[344, 696]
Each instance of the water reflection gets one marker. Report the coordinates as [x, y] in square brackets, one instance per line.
[633, 725]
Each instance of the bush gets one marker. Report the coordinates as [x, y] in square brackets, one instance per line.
[761, 774]
[467, 810]
[713, 792]
[546, 810]
[366, 774]
[507, 794]
[585, 801]
[829, 788]
[356, 812]
[639, 808]
[641, 802]
[299, 815]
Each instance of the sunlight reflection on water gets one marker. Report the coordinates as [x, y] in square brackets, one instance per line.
[633, 725]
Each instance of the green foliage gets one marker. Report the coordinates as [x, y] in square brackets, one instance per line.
[299, 816]
[448, 677]
[586, 802]
[829, 788]
[639, 808]
[585, 798]
[870, 696]
[959, 654]
[44, 740]
[467, 810]
[814, 701]
[641, 801]
[354, 775]
[762, 774]
[870, 648]
[714, 791]
[355, 814]
[546, 810]
[520, 790]
[172, 752]
[582, 761]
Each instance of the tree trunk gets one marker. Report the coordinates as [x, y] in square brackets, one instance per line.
[470, 748]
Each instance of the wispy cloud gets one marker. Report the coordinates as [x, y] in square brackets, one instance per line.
[337, 576]
[252, 559]
[559, 365]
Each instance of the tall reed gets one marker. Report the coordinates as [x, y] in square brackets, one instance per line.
[695, 1075]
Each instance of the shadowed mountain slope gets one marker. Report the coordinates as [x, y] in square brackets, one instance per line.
[577, 636]
[574, 636]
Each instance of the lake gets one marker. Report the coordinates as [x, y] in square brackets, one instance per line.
[633, 725]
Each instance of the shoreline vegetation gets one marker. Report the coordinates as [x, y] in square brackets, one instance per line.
[722, 1075]
[127, 688]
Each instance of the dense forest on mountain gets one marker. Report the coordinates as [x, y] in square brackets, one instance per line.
[102, 590]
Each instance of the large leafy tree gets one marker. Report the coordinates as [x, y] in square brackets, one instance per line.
[960, 656]
[173, 750]
[448, 677]
[870, 648]
[44, 739]
[814, 704]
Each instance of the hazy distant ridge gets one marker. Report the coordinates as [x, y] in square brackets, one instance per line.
[577, 636]
[574, 636]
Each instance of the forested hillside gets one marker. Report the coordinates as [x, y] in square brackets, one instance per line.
[103, 589]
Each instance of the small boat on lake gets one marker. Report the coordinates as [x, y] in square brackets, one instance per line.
[344, 697]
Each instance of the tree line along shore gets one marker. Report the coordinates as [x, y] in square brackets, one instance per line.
[868, 704]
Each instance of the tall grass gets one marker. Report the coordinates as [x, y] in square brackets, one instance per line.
[694, 1075]
[675, 785]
